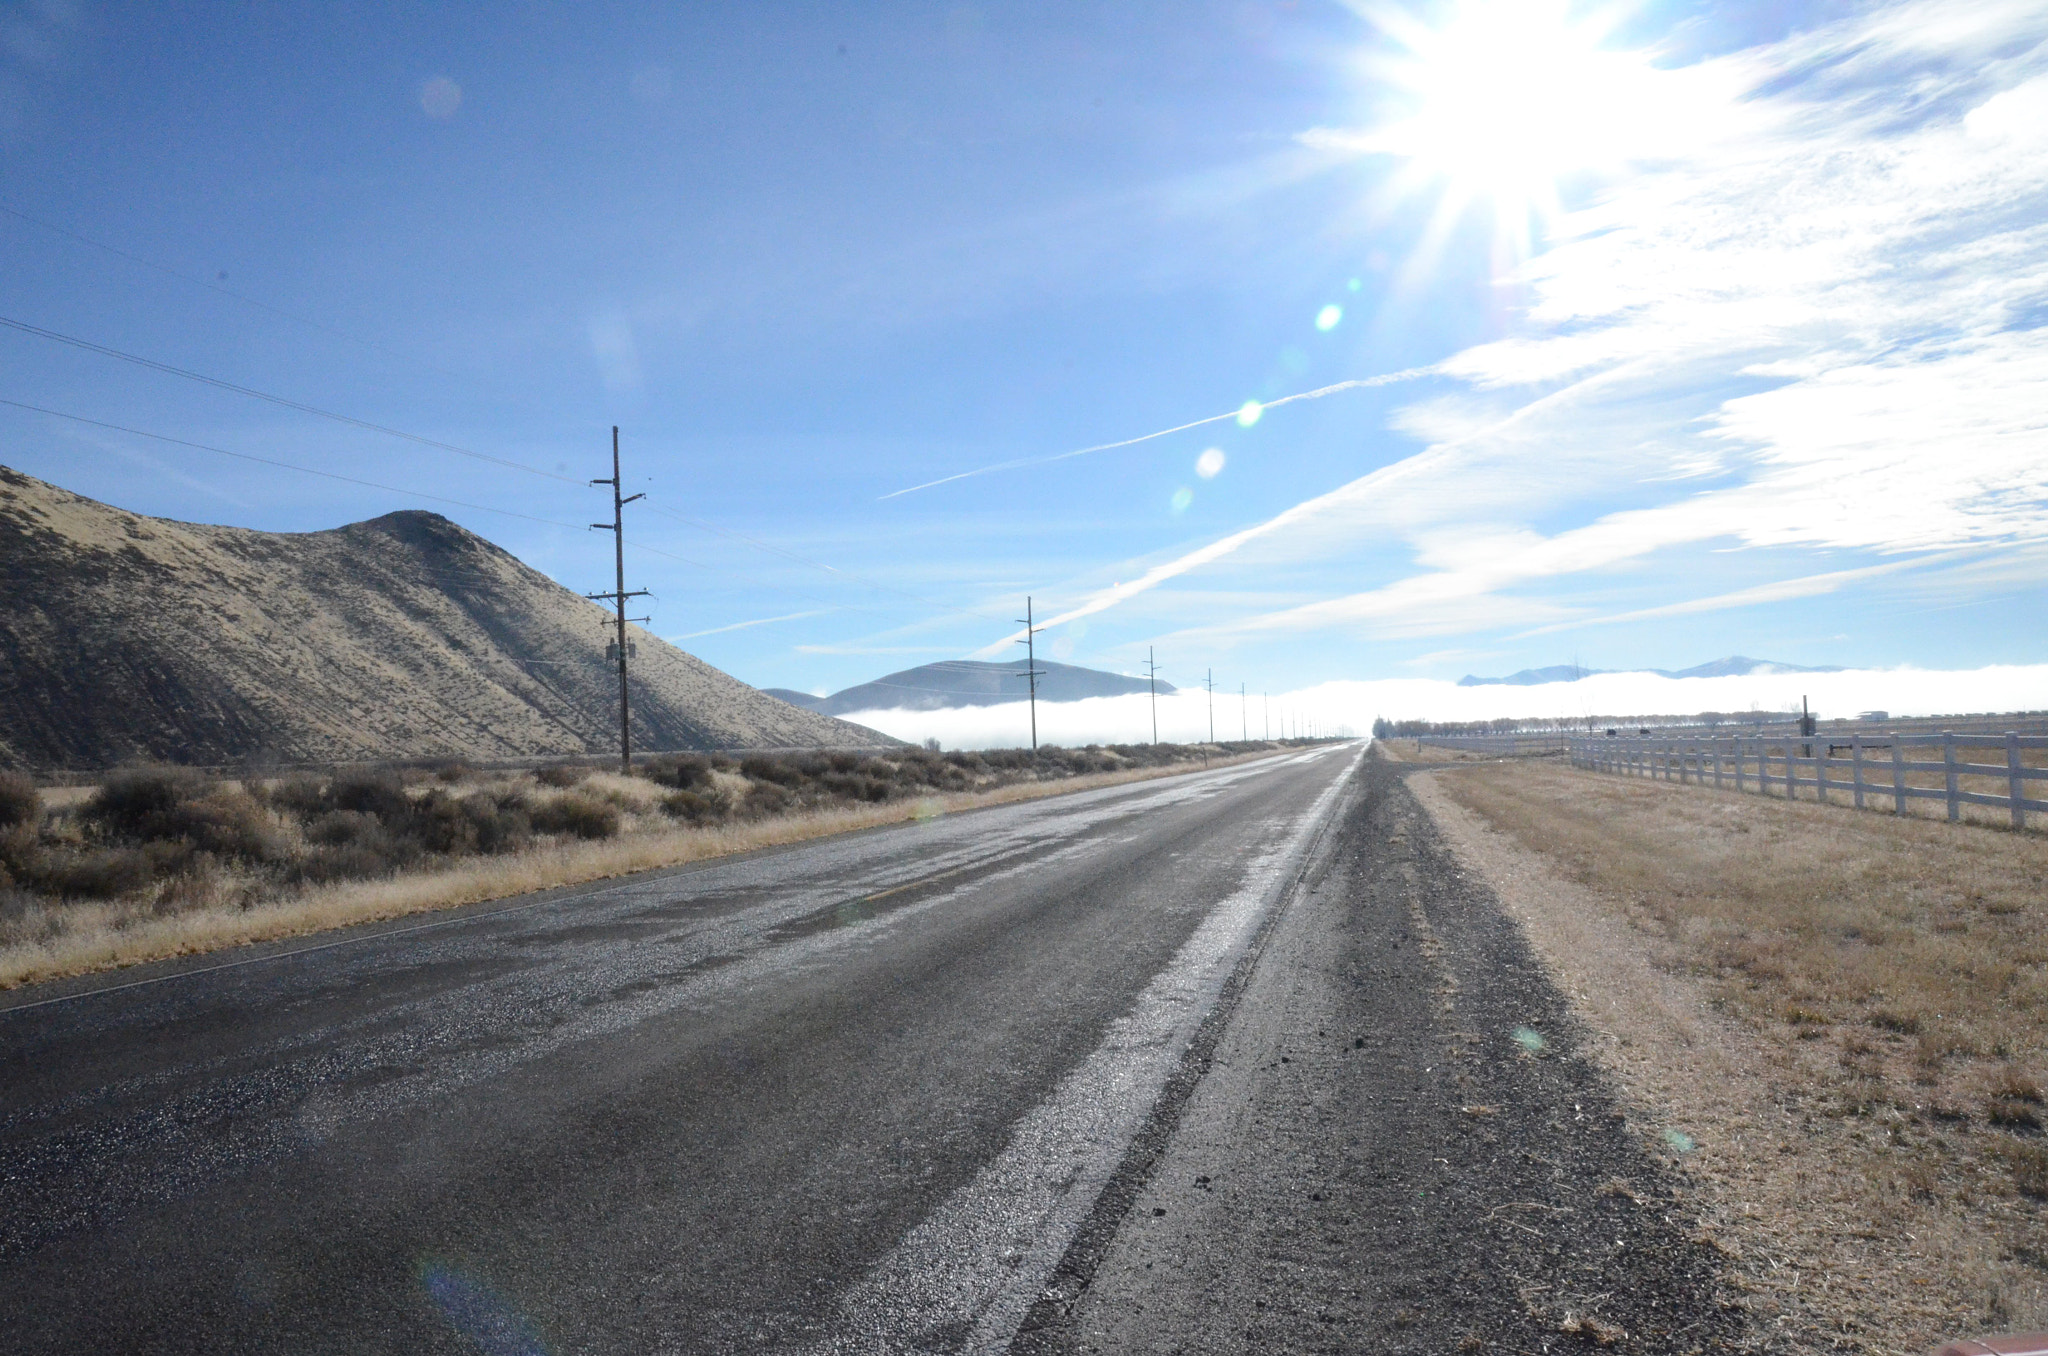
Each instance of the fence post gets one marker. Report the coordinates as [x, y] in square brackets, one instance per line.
[1898, 776]
[2014, 782]
[1820, 751]
[1948, 766]
[1738, 762]
[1856, 762]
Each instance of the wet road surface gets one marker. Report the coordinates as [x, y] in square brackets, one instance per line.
[855, 1095]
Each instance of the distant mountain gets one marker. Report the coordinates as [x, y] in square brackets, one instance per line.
[1556, 673]
[125, 637]
[1734, 666]
[1738, 666]
[964, 682]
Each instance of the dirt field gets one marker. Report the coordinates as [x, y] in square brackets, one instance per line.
[1839, 1019]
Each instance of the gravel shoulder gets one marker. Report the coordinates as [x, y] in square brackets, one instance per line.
[1398, 1143]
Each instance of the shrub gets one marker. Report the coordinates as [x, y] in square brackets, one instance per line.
[18, 849]
[576, 814]
[347, 861]
[684, 772]
[561, 775]
[766, 798]
[20, 803]
[102, 874]
[371, 791]
[302, 793]
[342, 828]
[141, 802]
[693, 808]
[227, 823]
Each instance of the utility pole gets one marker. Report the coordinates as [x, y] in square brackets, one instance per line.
[1209, 682]
[1266, 714]
[617, 527]
[1031, 670]
[1244, 725]
[1152, 683]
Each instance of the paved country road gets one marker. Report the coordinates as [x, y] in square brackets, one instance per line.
[857, 1095]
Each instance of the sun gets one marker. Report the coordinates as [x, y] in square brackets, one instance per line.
[1504, 99]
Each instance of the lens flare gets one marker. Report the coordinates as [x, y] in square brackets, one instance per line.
[1182, 497]
[440, 97]
[1327, 318]
[1209, 463]
[1248, 413]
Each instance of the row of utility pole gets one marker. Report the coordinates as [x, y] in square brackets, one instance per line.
[622, 649]
[1032, 673]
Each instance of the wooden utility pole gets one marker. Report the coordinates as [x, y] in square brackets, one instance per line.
[1244, 719]
[1152, 683]
[1209, 682]
[617, 527]
[1031, 669]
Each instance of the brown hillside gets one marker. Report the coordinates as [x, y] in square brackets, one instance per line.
[125, 637]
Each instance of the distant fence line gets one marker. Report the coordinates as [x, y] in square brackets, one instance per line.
[1837, 763]
[1547, 741]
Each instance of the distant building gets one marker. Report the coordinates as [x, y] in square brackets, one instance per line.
[1873, 715]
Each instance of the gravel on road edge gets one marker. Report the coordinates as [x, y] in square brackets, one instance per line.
[1387, 1139]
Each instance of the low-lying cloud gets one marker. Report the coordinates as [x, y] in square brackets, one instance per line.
[1340, 707]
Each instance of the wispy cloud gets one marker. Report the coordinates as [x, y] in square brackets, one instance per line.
[747, 625]
[1248, 413]
[1817, 326]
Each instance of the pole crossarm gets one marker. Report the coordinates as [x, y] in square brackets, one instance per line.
[618, 597]
[1032, 673]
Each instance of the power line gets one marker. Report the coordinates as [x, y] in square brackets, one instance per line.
[221, 384]
[816, 564]
[212, 286]
[285, 465]
[155, 366]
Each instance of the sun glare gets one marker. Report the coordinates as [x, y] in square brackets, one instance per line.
[1505, 98]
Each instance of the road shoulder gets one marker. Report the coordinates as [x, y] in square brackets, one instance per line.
[1375, 1160]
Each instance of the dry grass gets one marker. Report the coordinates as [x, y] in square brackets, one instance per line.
[219, 909]
[1847, 1012]
[1975, 775]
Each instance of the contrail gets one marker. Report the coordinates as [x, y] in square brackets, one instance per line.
[1388, 379]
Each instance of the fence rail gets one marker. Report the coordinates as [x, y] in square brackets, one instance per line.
[1859, 766]
[1502, 743]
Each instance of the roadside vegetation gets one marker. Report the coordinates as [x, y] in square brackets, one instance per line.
[1862, 1090]
[159, 861]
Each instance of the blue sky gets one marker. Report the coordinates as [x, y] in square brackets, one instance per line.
[1709, 328]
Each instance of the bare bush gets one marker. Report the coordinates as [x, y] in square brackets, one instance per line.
[20, 802]
[581, 815]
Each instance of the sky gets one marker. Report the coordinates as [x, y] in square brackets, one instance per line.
[1627, 336]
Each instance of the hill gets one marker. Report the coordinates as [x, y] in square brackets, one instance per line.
[1734, 666]
[964, 682]
[127, 637]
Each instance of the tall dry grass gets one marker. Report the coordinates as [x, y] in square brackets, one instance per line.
[1881, 1111]
[217, 908]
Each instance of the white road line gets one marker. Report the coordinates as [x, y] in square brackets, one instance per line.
[975, 1265]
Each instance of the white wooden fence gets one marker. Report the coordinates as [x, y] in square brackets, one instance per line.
[1508, 744]
[1859, 767]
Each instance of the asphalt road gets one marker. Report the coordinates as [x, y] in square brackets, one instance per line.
[1395, 1144]
[857, 1095]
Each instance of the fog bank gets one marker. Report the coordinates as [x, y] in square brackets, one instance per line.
[1335, 708]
